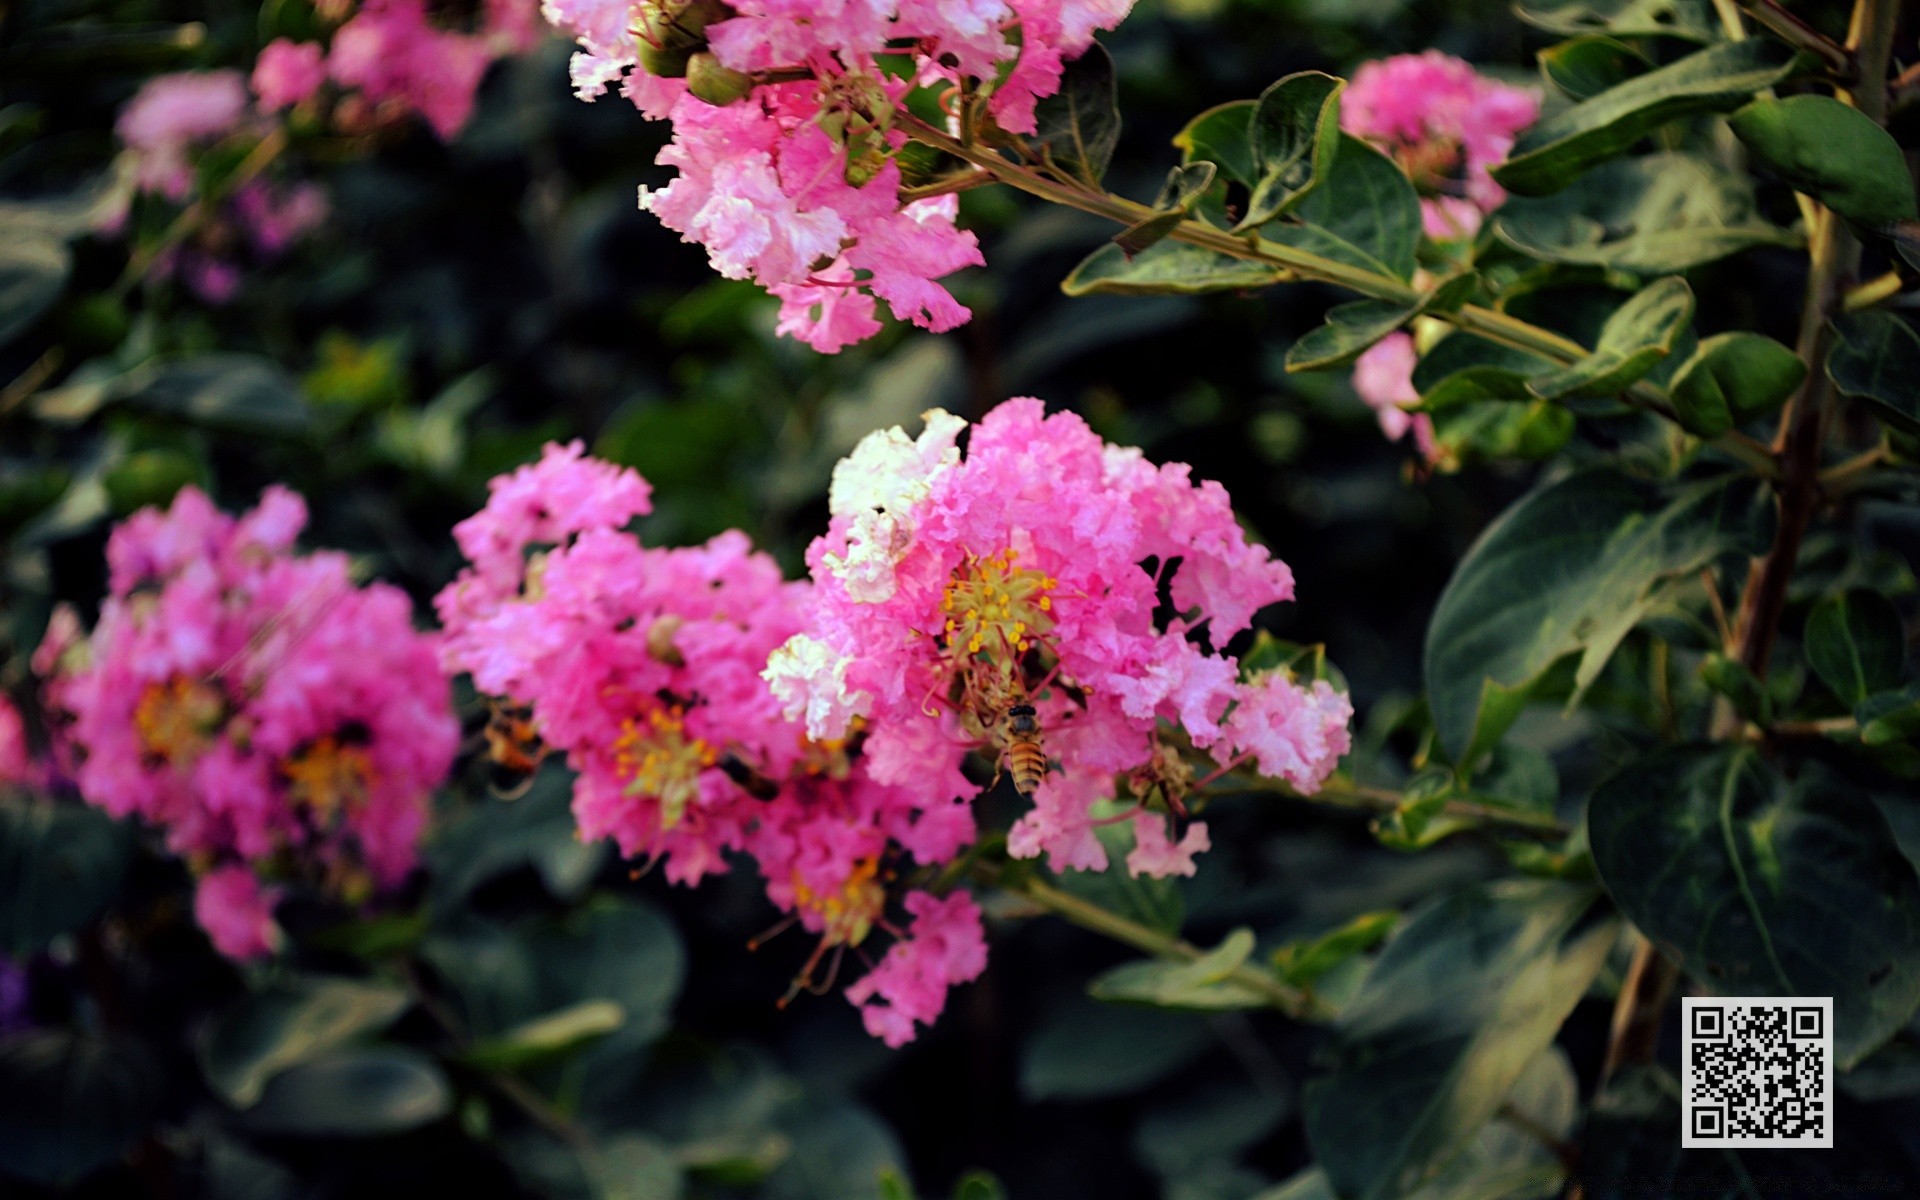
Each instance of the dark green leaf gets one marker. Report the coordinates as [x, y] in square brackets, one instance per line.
[1687, 19]
[1300, 963]
[1221, 135]
[1748, 880]
[1184, 1134]
[1165, 268]
[1155, 903]
[1349, 330]
[60, 867]
[1732, 378]
[1736, 681]
[71, 1103]
[978, 1185]
[1655, 214]
[150, 478]
[244, 392]
[33, 272]
[1635, 339]
[1876, 359]
[370, 1092]
[291, 1022]
[1200, 985]
[1365, 213]
[546, 1038]
[1459, 1004]
[1183, 188]
[1587, 66]
[1559, 149]
[1531, 430]
[1569, 569]
[497, 836]
[1856, 644]
[1087, 1050]
[1832, 152]
[1079, 125]
[1294, 134]
[1890, 716]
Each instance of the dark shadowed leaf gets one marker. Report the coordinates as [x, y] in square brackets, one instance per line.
[1559, 149]
[1856, 643]
[1636, 338]
[1587, 66]
[60, 867]
[71, 1103]
[1732, 378]
[370, 1092]
[1461, 1002]
[1832, 152]
[1569, 569]
[1654, 214]
[1349, 330]
[291, 1022]
[33, 273]
[1763, 886]
[243, 392]
[1876, 359]
[1221, 135]
[495, 836]
[1086, 1050]
[1079, 125]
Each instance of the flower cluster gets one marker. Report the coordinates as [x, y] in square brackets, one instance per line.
[270, 716]
[1049, 571]
[784, 135]
[390, 60]
[643, 665]
[165, 128]
[1446, 125]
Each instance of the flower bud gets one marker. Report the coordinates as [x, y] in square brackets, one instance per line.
[668, 64]
[716, 84]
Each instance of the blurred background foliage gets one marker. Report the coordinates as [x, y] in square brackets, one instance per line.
[531, 1019]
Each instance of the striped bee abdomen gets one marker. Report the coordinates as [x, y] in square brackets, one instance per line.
[1026, 757]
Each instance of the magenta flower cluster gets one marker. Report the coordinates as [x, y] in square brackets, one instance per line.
[790, 179]
[255, 705]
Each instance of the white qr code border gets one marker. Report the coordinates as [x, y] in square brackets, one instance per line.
[1700, 1119]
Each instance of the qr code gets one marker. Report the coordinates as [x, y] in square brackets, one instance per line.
[1757, 1073]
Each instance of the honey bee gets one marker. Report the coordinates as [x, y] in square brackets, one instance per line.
[514, 748]
[750, 778]
[1025, 758]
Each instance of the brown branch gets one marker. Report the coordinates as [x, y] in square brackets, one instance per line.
[1792, 30]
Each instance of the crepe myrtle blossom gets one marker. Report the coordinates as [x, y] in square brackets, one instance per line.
[1446, 125]
[784, 141]
[643, 666]
[263, 712]
[1045, 567]
[1383, 378]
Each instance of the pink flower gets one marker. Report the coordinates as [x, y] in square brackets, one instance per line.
[944, 946]
[1294, 733]
[1157, 855]
[16, 762]
[393, 55]
[253, 704]
[237, 913]
[1383, 377]
[274, 218]
[1446, 125]
[288, 73]
[172, 115]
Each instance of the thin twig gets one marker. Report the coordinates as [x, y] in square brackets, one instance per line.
[1790, 29]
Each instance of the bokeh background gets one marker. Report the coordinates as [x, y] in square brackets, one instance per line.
[467, 301]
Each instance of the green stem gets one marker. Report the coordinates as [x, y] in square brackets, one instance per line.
[1353, 797]
[1492, 324]
[1091, 916]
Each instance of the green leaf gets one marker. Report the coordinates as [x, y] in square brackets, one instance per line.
[636, 1167]
[1184, 1134]
[546, 1038]
[150, 478]
[496, 836]
[1736, 681]
[33, 272]
[1832, 152]
[1300, 963]
[1559, 149]
[1294, 134]
[1876, 359]
[1856, 643]
[291, 1022]
[1222, 136]
[368, 1092]
[1458, 1006]
[1635, 339]
[1182, 190]
[1760, 886]
[1165, 268]
[1078, 126]
[1652, 215]
[1155, 903]
[1686, 19]
[1085, 1051]
[978, 1185]
[243, 392]
[1587, 66]
[71, 1103]
[1732, 378]
[60, 867]
[1365, 213]
[1535, 429]
[1569, 569]
[1349, 330]
[1200, 985]
[1891, 716]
